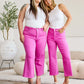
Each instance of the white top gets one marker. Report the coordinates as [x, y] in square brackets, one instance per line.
[56, 18]
[37, 22]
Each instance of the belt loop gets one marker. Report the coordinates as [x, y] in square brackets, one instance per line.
[54, 30]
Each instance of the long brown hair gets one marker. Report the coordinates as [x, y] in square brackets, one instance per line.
[33, 8]
[52, 4]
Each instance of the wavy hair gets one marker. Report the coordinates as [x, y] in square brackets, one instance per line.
[52, 4]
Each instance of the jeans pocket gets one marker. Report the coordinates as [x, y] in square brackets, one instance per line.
[62, 32]
[45, 32]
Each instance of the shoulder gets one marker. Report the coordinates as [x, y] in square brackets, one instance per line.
[61, 6]
[24, 7]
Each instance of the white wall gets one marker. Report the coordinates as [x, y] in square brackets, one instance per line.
[74, 32]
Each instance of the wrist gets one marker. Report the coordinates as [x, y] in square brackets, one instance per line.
[64, 27]
[21, 35]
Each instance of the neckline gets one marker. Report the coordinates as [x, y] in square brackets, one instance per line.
[54, 8]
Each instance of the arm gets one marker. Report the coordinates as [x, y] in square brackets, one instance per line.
[67, 14]
[20, 21]
[46, 25]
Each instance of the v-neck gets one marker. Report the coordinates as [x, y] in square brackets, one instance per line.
[54, 8]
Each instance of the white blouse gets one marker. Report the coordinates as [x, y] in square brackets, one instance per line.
[56, 18]
[37, 22]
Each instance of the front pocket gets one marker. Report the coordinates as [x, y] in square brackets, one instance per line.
[44, 31]
[60, 33]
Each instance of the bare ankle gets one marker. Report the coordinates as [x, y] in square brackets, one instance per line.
[55, 79]
[38, 80]
[30, 80]
[66, 82]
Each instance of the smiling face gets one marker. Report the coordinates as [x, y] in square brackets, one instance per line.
[48, 2]
[38, 1]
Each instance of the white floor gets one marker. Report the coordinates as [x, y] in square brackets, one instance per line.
[10, 75]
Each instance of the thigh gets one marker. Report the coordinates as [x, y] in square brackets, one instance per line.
[52, 49]
[29, 45]
[40, 47]
[64, 48]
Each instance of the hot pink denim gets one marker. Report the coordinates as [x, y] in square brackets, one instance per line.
[54, 39]
[34, 43]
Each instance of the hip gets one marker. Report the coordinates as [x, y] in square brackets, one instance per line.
[54, 33]
[33, 31]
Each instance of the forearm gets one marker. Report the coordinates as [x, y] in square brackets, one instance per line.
[47, 24]
[67, 22]
[20, 27]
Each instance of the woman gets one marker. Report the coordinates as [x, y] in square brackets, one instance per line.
[56, 37]
[33, 38]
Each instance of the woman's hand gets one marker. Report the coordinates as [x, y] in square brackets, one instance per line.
[61, 30]
[45, 26]
[63, 8]
[22, 38]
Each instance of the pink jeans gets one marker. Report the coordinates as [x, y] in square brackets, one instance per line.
[34, 43]
[54, 39]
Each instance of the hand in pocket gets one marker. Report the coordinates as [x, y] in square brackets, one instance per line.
[61, 30]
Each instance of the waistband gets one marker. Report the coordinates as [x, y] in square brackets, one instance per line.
[53, 29]
[33, 28]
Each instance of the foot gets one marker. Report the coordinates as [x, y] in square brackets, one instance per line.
[55, 82]
[38, 80]
[66, 82]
